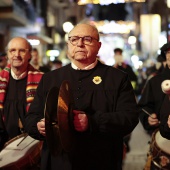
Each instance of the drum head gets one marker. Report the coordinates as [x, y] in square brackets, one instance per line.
[163, 143]
[21, 152]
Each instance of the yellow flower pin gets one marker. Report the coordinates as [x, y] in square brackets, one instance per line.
[97, 80]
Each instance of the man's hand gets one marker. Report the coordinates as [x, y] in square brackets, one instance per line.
[168, 121]
[80, 121]
[152, 120]
[41, 127]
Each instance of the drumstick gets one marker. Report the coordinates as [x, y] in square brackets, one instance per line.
[147, 113]
[22, 140]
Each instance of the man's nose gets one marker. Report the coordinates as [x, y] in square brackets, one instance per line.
[80, 42]
[17, 52]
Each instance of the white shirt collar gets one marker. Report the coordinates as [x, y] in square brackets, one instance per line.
[23, 75]
[85, 68]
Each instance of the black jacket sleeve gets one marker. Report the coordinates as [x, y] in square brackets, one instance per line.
[36, 113]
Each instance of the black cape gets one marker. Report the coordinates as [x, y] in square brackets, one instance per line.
[152, 98]
[111, 109]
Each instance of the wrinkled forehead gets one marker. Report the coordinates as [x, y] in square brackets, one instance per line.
[84, 30]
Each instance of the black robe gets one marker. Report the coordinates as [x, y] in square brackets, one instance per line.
[164, 114]
[15, 106]
[111, 109]
[152, 98]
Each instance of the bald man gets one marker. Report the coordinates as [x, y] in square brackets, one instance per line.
[105, 108]
[18, 83]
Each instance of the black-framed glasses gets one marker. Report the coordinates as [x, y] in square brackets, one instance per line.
[22, 51]
[86, 40]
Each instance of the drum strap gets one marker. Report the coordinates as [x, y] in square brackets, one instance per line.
[148, 163]
[20, 125]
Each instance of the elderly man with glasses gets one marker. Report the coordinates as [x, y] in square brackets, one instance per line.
[18, 83]
[104, 109]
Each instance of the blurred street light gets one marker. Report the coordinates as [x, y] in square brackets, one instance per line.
[67, 27]
[168, 3]
[106, 2]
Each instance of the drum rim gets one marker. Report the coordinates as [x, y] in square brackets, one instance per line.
[13, 139]
[157, 165]
[32, 158]
[154, 147]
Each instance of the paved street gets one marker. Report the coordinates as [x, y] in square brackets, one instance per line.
[136, 158]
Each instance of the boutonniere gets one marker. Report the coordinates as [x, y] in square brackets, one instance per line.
[97, 80]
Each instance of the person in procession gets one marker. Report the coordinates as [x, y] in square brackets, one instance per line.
[165, 109]
[3, 60]
[152, 99]
[105, 108]
[35, 61]
[18, 83]
[152, 96]
[122, 65]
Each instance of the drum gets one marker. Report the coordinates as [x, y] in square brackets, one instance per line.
[20, 153]
[160, 151]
